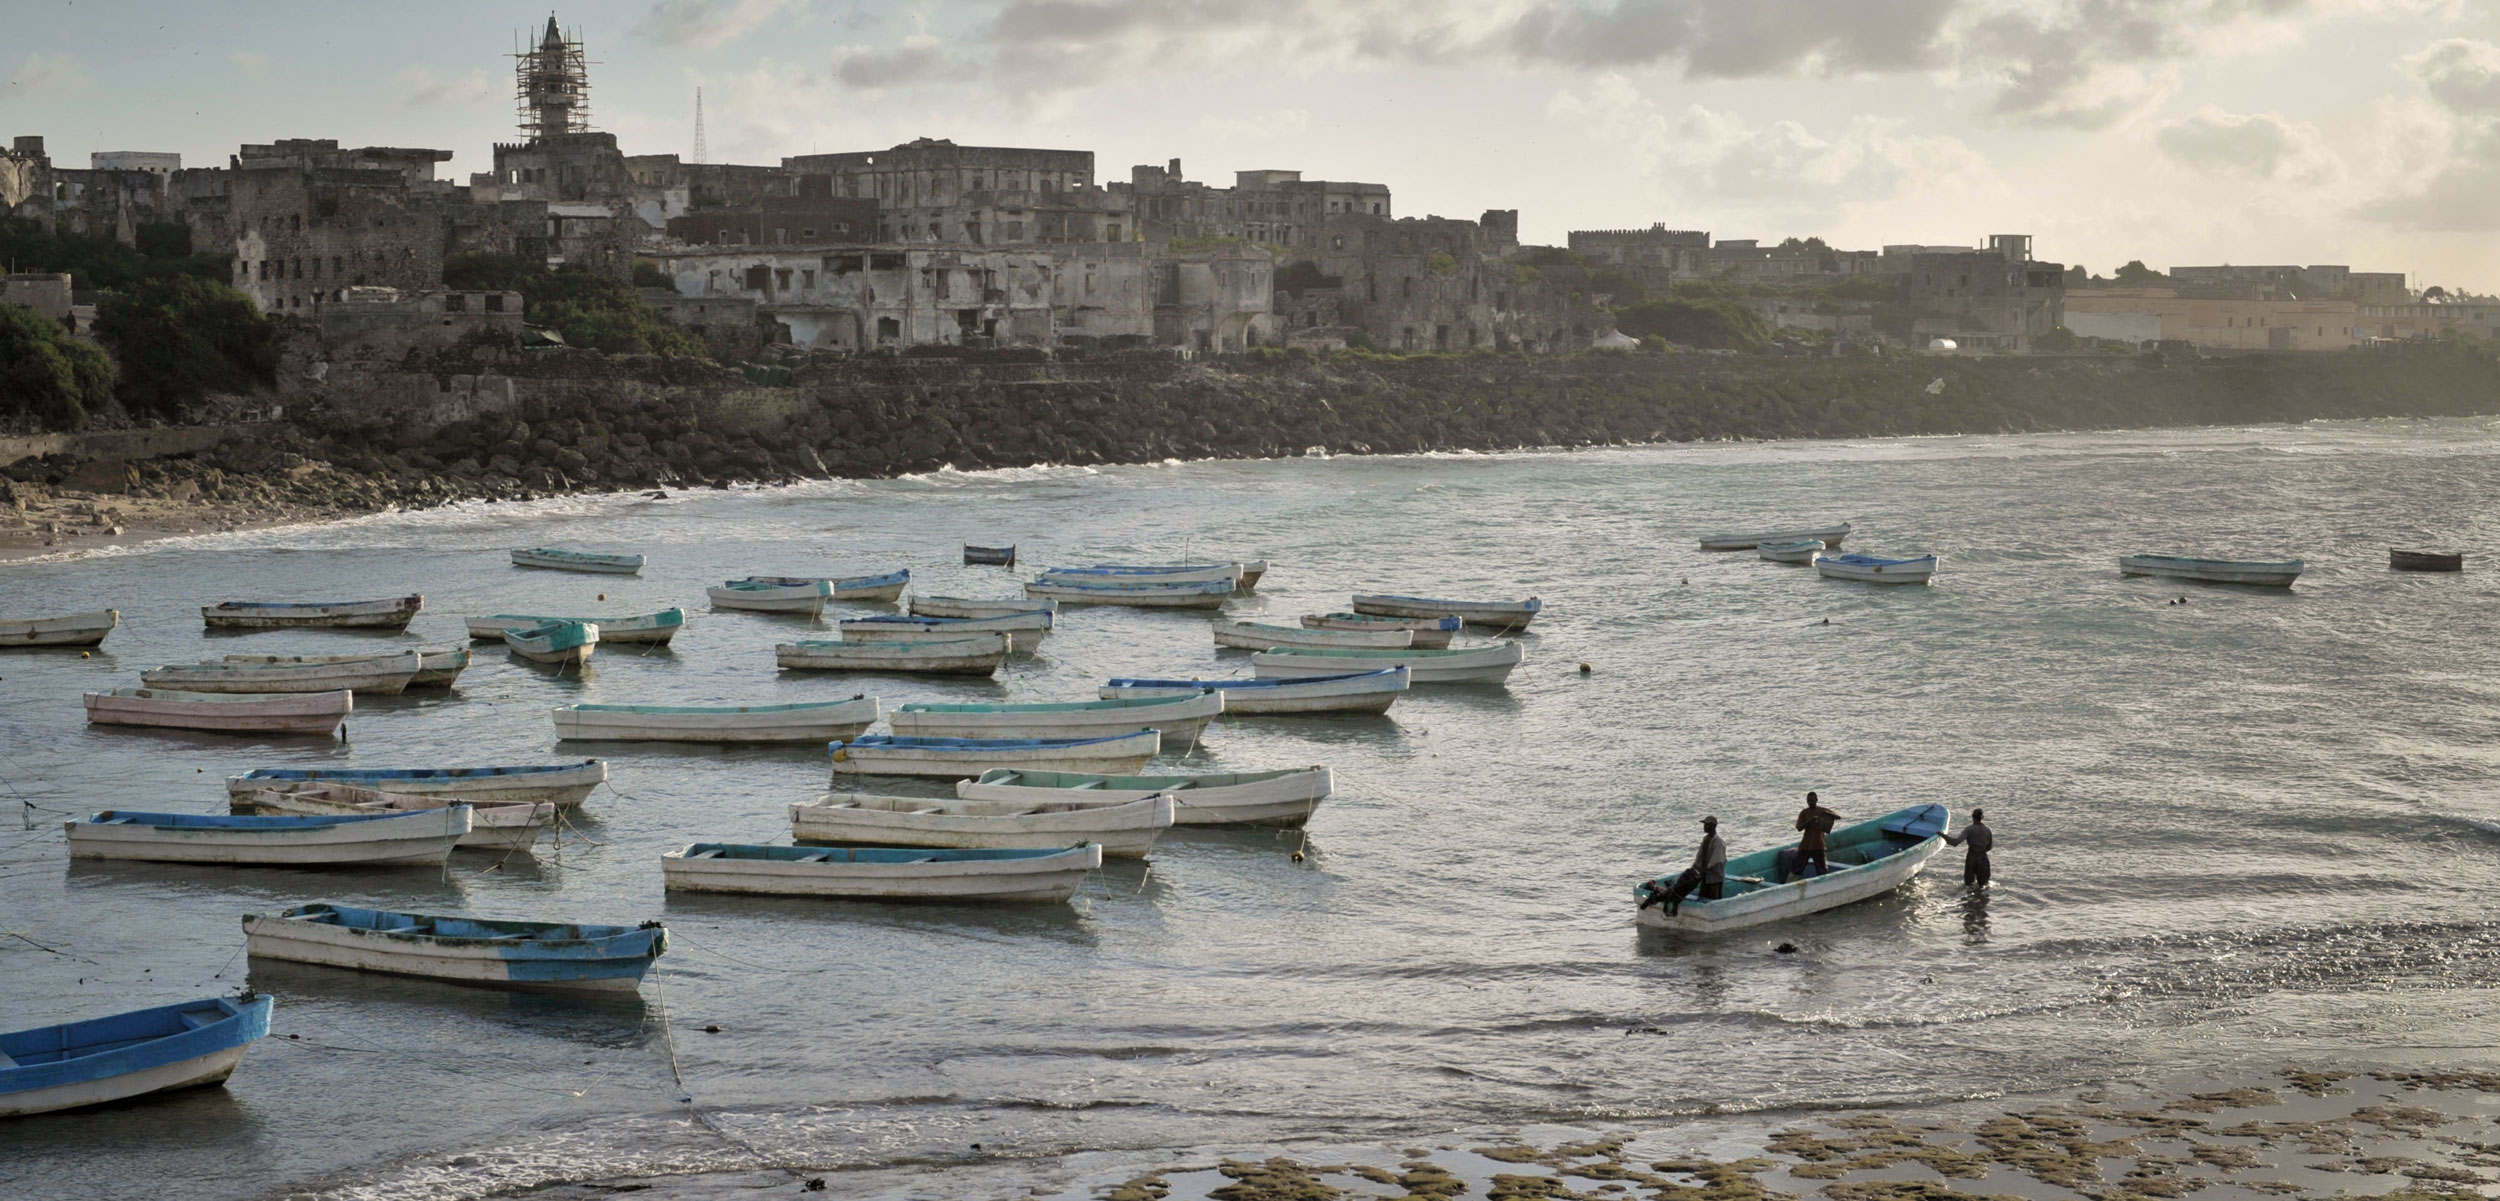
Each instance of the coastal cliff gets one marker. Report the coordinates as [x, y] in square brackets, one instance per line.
[491, 423]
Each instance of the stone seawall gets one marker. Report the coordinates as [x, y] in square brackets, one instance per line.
[533, 423]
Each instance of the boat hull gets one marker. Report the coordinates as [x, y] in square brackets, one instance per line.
[1126, 830]
[1255, 636]
[1285, 798]
[966, 606]
[1504, 615]
[1107, 755]
[594, 564]
[1897, 571]
[75, 629]
[387, 676]
[2400, 560]
[1365, 692]
[1488, 665]
[1789, 552]
[1797, 898]
[392, 614]
[491, 827]
[1139, 596]
[1830, 536]
[841, 720]
[147, 1054]
[611, 963]
[1181, 721]
[423, 838]
[1043, 879]
[564, 787]
[648, 627]
[1024, 631]
[809, 600]
[301, 713]
[1428, 633]
[2215, 571]
[978, 655]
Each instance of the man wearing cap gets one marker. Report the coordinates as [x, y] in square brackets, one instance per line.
[1707, 876]
[1980, 840]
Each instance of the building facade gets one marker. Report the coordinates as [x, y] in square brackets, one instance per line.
[1993, 299]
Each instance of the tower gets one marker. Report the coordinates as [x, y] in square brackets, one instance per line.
[552, 83]
[698, 125]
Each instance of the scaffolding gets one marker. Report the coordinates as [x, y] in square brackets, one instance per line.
[552, 84]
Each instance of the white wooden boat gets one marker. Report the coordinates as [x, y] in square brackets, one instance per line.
[2215, 571]
[390, 613]
[387, 675]
[1024, 631]
[1868, 859]
[800, 721]
[1355, 692]
[1875, 569]
[755, 596]
[1229, 573]
[564, 785]
[966, 655]
[225, 713]
[1472, 665]
[75, 629]
[963, 758]
[556, 642]
[194, 1044]
[978, 606]
[989, 556]
[1248, 581]
[1801, 550]
[1429, 633]
[639, 627]
[866, 588]
[491, 827]
[1182, 718]
[1503, 615]
[1828, 535]
[882, 873]
[1123, 829]
[1254, 798]
[556, 558]
[437, 668]
[464, 950]
[365, 839]
[1206, 594]
[1256, 636]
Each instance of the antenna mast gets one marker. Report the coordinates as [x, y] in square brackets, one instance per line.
[698, 125]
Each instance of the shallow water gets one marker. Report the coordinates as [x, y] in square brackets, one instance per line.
[2256, 827]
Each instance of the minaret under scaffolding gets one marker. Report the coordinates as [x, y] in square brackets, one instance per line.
[553, 86]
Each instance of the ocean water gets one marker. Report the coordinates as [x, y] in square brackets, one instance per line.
[2256, 828]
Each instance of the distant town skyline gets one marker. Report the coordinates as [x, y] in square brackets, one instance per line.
[2361, 132]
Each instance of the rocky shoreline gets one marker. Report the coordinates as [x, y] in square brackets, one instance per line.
[511, 426]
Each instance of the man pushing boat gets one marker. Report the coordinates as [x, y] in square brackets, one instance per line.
[1707, 875]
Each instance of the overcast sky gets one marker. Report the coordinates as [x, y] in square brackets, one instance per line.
[2364, 132]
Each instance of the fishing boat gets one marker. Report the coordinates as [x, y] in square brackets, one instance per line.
[422, 838]
[1801, 550]
[1428, 633]
[463, 950]
[959, 655]
[1204, 573]
[1024, 631]
[436, 669]
[1251, 635]
[2215, 571]
[1197, 594]
[387, 675]
[882, 873]
[1829, 536]
[390, 613]
[2399, 560]
[556, 558]
[978, 606]
[641, 627]
[1876, 569]
[1472, 665]
[1503, 615]
[75, 629]
[963, 758]
[491, 827]
[564, 785]
[755, 596]
[1353, 692]
[989, 556]
[556, 642]
[224, 713]
[193, 1044]
[1254, 798]
[866, 588]
[799, 721]
[1123, 829]
[1251, 571]
[1868, 859]
[1182, 718]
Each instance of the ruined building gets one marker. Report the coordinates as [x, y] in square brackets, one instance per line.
[120, 192]
[1655, 258]
[932, 190]
[592, 211]
[1272, 208]
[1992, 299]
[312, 220]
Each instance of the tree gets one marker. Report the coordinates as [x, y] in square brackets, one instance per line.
[98, 261]
[587, 309]
[2056, 341]
[2136, 275]
[179, 338]
[2434, 294]
[1713, 324]
[47, 374]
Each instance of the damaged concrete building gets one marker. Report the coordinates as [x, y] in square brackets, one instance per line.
[311, 219]
[1269, 207]
[1655, 258]
[1992, 299]
[120, 193]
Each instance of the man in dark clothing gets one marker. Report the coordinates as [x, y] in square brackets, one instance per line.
[1980, 841]
[1815, 821]
[1707, 875]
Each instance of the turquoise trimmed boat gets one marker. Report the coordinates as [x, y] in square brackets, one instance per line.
[463, 950]
[557, 558]
[646, 627]
[555, 642]
[1181, 718]
[801, 721]
[1868, 859]
[193, 1044]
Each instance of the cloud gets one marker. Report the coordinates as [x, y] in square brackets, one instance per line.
[1732, 38]
[2250, 145]
[250, 62]
[2461, 79]
[426, 89]
[707, 24]
[50, 73]
[916, 60]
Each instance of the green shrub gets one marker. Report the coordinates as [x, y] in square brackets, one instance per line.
[1712, 324]
[585, 308]
[179, 337]
[45, 373]
[97, 261]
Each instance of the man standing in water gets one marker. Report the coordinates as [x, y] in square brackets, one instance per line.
[1980, 841]
[1813, 857]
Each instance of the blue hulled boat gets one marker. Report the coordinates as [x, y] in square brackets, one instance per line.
[539, 955]
[128, 1055]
